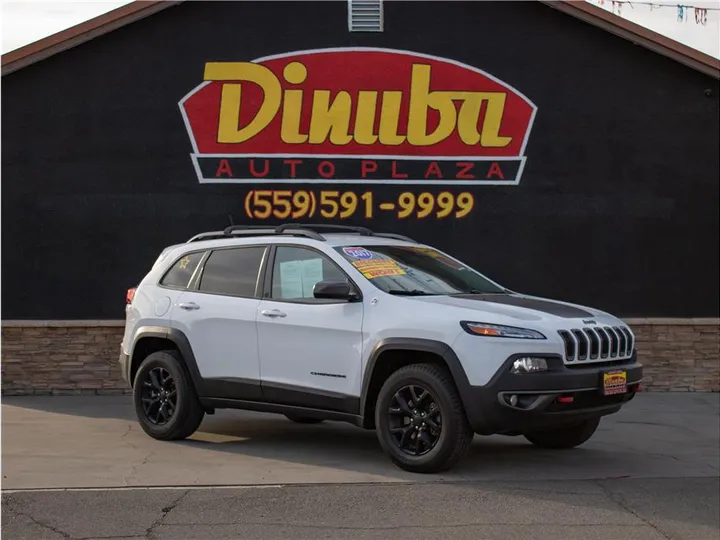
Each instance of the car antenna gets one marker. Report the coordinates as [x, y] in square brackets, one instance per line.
[231, 220]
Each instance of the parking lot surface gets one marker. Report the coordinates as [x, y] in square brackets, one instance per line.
[80, 467]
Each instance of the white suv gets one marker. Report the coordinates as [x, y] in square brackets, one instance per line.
[374, 329]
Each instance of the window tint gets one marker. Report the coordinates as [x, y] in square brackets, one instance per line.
[180, 273]
[297, 270]
[232, 271]
[416, 271]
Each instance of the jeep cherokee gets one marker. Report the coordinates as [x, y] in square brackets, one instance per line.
[322, 322]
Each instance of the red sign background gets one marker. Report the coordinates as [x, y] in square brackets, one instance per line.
[352, 70]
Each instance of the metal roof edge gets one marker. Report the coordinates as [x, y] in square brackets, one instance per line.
[639, 35]
[580, 9]
[81, 33]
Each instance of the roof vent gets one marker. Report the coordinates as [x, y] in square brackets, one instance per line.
[365, 15]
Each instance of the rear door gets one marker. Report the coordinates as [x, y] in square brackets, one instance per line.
[218, 315]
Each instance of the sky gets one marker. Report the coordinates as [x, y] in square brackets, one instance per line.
[24, 22]
[664, 20]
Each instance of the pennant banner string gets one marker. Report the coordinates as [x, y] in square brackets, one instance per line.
[655, 5]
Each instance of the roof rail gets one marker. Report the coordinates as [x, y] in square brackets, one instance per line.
[362, 231]
[291, 229]
[241, 230]
[216, 235]
[232, 228]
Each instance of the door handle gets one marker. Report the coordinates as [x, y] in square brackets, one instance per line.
[188, 305]
[273, 313]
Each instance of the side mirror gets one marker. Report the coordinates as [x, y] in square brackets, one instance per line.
[336, 290]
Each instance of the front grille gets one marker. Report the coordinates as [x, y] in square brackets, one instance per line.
[597, 344]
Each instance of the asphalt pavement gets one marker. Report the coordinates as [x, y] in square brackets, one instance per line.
[80, 467]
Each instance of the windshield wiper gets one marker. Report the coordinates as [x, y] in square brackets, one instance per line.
[412, 292]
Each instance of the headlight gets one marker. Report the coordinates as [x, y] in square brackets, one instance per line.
[496, 330]
[528, 364]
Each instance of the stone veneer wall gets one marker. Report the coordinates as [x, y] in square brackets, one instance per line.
[80, 357]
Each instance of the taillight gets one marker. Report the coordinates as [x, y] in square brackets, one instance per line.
[130, 295]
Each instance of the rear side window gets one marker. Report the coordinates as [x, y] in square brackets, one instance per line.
[180, 273]
[232, 271]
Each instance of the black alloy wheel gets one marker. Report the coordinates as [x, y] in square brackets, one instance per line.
[420, 420]
[414, 420]
[159, 396]
[166, 403]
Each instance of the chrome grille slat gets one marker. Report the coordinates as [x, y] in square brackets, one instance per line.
[576, 356]
[596, 344]
[604, 342]
[570, 345]
[615, 351]
[629, 343]
[593, 340]
[623, 341]
[583, 344]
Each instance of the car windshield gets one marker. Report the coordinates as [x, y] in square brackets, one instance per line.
[416, 271]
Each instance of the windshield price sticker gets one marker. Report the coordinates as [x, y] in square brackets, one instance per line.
[383, 272]
[357, 253]
[375, 268]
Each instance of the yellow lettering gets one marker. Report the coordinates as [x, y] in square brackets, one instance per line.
[330, 120]
[228, 130]
[333, 119]
[468, 118]
[294, 73]
[420, 100]
[365, 117]
[488, 135]
[493, 117]
[292, 112]
[390, 118]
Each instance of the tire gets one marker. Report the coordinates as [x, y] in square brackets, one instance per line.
[179, 421]
[303, 419]
[564, 437]
[439, 449]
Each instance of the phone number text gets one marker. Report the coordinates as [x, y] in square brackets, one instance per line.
[284, 204]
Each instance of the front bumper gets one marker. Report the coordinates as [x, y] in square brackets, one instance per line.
[547, 398]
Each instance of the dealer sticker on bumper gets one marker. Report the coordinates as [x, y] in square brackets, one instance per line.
[614, 382]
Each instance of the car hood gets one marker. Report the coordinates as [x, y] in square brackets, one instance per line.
[519, 306]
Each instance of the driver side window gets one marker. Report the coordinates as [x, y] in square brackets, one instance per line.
[296, 270]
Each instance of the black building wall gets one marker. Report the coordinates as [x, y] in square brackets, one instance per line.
[617, 207]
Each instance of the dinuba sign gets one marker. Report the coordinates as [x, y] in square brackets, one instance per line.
[356, 116]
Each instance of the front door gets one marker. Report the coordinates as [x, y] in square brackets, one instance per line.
[218, 317]
[310, 349]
